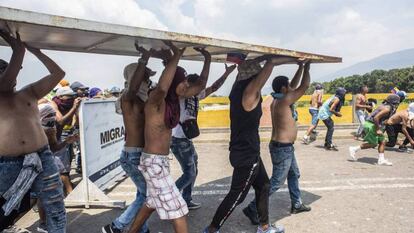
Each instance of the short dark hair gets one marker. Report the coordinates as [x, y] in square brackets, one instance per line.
[279, 82]
[362, 87]
[192, 78]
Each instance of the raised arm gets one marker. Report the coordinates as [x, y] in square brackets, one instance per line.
[295, 80]
[160, 92]
[294, 95]
[139, 74]
[42, 87]
[251, 95]
[219, 82]
[9, 76]
[201, 83]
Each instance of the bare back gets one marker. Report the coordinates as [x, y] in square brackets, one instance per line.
[398, 118]
[134, 121]
[21, 132]
[284, 128]
[315, 100]
[157, 135]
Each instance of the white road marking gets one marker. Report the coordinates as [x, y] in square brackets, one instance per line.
[313, 189]
[347, 181]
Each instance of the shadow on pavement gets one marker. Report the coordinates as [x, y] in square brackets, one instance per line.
[368, 160]
[209, 195]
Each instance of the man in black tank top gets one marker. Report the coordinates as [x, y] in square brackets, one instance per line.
[245, 113]
[374, 128]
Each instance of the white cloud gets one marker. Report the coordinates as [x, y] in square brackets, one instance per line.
[126, 12]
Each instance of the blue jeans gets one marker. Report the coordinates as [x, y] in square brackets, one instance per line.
[130, 157]
[314, 114]
[284, 166]
[47, 186]
[183, 149]
[361, 118]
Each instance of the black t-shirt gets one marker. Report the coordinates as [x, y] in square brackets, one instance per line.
[244, 140]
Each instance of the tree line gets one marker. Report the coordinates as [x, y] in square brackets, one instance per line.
[378, 81]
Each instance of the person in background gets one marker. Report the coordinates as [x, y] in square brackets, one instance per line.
[48, 121]
[401, 122]
[80, 89]
[95, 93]
[361, 108]
[115, 92]
[374, 128]
[26, 161]
[331, 107]
[315, 104]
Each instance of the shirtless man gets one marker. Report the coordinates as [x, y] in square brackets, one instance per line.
[315, 104]
[284, 133]
[162, 114]
[401, 122]
[24, 141]
[133, 99]
[249, 170]
[374, 128]
[361, 107]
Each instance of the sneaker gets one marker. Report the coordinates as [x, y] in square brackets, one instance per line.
[15, 229]
[271, 229]
[384, 162]
[305, 140]
[42, 228]
[331, 147]
[193, 205]
[254, 219]
[206, 231]
[110, 229]
[402, 148]
[300, 209]
[352, 153]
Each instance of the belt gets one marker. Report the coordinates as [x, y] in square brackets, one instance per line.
[21, 157]
[280, 144]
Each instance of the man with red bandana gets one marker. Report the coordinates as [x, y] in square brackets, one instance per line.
[162, 113]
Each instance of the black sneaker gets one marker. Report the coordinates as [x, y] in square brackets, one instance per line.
[251, 215]
[110, 229]
[330, 147]
[300, 209]
[193, 205]
[402, 148]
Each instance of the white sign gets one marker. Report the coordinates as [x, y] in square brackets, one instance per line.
[102, 136]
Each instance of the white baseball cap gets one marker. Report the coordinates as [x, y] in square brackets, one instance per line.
[64, 91]
[411, 111]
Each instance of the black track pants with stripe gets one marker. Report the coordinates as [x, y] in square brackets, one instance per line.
[243, 178]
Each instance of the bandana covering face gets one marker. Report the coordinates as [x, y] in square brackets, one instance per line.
[340, 94]
[47, 116]
[172, 105]
[64, 106]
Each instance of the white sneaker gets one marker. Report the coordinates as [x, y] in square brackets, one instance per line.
[352, 153]
[384, 162]
[305, 140]
[272, 229]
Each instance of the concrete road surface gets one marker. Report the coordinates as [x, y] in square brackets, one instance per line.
[345, 196]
